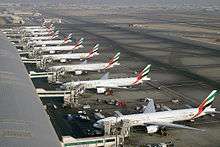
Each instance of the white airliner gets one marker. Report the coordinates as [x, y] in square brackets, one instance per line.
[53, 49]
[45, 33]
[32, 27]
[104, 83]
[154, 121]
[84, 67]
[42, 38]
[71, 56]
[37, 28]
[43, 25]
[51, 42]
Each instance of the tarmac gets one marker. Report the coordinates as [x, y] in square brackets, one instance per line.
[181, 69]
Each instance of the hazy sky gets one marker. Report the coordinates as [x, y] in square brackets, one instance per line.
[165, 3]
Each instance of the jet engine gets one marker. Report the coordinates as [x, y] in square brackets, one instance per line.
[51, 51]
[78, 72]
[152, 129]
[62, 60]
[101, 90]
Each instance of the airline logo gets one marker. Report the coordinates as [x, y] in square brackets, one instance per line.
[207, 102]
[113, 60]
[142, 74]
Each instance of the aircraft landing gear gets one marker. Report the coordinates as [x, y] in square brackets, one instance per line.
[163, 132]
[109, 92]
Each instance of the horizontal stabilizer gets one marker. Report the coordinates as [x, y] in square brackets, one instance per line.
[218, 112]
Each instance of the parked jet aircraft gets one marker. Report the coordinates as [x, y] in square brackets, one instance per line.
[104, 83]
[72, 56]
[84, 67]
[51, 42]
[36, 28]
[45, 33]
[42, 38]
[154, 121]
[53, 49]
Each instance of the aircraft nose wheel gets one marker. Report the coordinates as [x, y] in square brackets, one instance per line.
[109, 92]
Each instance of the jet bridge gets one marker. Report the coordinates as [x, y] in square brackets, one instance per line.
[52, 77]
[42, 93]
[30, 61]
[120, 130]
[23, 120]
[34, 74]
[23, 53]
[55, 95]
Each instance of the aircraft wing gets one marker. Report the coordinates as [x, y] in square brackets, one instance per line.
[171, 125]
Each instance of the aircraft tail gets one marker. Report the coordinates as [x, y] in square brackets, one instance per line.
[44, 23]
[50, 26]
[207, 102]
[68, 37]
[113, 61]
[93, 51]
[79, 42]
[51, 32]
[55, 34]
[143, 74]
[96, 46]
